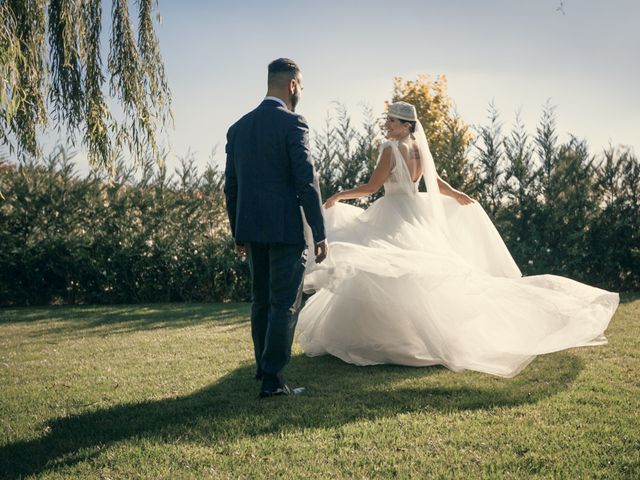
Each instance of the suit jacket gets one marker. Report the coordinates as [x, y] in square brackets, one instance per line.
[269, 175]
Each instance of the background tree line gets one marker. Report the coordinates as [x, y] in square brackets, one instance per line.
[145, 234]
[122, 238]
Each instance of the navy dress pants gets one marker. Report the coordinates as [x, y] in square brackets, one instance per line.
[277, 271]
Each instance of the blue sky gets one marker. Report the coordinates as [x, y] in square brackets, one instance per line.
[516, 53]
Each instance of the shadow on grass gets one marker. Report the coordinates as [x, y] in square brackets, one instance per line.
[78, 321]
[229, 410]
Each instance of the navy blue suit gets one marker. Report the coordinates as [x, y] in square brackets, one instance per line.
[269, 175]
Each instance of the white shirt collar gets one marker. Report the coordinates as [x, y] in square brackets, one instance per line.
[276, 99]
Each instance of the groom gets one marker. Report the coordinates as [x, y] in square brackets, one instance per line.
[269, 175]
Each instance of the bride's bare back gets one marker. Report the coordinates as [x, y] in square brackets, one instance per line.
[411, 155]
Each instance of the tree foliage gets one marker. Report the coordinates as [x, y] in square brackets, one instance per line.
[51, 70]
[344, 155]
[490, 165]
[116, 239]
[563, 210]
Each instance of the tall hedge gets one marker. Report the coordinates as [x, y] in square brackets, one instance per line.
[155, 236]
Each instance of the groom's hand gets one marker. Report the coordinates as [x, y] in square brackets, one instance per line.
[241, 250]
[321, 250]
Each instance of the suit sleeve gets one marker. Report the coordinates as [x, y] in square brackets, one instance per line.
[305, 178]
[231, 183]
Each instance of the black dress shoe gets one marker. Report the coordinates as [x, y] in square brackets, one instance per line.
[281, 392]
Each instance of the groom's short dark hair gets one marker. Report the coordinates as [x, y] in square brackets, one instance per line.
[282, 71]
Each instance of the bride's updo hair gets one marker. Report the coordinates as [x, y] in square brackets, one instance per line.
[405, 112]
[412, 128]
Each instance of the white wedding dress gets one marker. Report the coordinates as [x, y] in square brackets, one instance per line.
[397, 288]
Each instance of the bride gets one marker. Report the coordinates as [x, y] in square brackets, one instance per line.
[424, 278]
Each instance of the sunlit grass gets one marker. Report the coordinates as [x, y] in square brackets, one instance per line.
[167, 391]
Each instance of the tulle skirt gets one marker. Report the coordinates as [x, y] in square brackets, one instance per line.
[396, 289]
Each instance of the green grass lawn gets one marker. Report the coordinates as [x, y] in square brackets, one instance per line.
[167, 391]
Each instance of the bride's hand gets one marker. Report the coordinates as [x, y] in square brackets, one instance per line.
[331, 201]
[463, 198]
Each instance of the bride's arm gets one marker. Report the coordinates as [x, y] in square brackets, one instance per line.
[378, 177]
[446, 189]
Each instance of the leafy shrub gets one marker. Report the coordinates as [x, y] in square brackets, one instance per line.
[160, 237]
